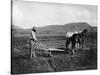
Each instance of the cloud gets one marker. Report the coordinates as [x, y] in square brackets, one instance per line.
[27, 14]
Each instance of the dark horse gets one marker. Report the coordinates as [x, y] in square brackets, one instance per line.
[82, 37]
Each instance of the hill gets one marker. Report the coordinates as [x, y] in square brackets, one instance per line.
[58, 30]
[16, 27]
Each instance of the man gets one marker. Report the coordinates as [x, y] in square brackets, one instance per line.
[33, 34]
[32, 42]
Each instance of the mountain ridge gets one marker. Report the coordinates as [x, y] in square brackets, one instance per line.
[58, 29]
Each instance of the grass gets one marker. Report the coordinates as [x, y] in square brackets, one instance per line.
[61, 61]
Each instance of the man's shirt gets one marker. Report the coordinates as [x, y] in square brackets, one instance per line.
[33, 35]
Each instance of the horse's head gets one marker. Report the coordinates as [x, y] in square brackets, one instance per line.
[84, 33]
[85, 30]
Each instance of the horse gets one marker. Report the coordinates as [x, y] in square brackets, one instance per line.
[72, 38]
[82, 35]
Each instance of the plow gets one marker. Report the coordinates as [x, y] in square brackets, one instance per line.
[43, 47]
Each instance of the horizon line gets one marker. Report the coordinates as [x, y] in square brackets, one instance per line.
[53, 25]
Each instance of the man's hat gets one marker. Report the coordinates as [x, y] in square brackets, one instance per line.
[34, 28]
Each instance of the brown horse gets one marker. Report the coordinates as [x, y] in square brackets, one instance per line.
[76, 39]
[72, 38]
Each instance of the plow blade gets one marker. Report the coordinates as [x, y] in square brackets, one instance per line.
[54, 49]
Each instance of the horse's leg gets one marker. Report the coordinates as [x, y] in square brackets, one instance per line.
[67, 42]
[76, 46]
[82, 43]
[73, 50]
[73, 46]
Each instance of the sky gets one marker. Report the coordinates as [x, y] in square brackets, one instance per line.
[27, 14]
